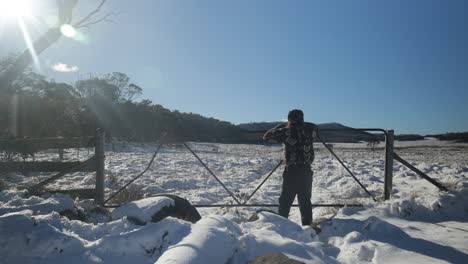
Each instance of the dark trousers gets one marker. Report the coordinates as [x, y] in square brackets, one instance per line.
[297, 180]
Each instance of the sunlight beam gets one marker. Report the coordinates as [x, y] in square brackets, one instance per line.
[29, 43]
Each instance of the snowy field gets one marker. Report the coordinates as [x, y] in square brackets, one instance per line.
[418, 225]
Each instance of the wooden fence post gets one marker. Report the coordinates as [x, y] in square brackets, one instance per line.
[60, 152]
[100, 158]
[388, 164]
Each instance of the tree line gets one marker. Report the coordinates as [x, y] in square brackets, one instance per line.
[36, 107]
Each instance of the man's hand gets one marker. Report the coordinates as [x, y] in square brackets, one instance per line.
[274, 133]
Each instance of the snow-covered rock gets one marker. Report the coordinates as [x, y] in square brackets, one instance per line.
[212, 240]
[142, 210]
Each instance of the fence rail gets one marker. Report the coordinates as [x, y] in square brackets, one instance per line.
[45, 166]
[29, 146]
[37, 144]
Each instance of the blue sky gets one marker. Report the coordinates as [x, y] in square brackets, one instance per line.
[399, 65]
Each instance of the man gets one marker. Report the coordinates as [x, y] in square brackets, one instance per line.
[298, 153]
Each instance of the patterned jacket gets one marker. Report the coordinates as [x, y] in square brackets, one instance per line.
[297, 142]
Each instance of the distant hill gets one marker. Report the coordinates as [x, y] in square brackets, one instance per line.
[346, 136]
[409, 137]
[458, 137]
[260, 126]
[255, 131]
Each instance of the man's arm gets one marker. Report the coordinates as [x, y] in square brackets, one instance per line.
[315, 129]
[275, 133]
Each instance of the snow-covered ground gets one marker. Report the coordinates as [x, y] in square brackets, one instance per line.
[418, 225]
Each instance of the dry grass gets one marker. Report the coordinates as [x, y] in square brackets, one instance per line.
[9, 156]
[126, 196]
[113, 179]
[453, 184]
[413, 195]
[329, 211]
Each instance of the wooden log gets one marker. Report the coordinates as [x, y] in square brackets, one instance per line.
[37, 144]
[45, 166]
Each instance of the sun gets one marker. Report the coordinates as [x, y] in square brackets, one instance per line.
[68, 30]
[20, 11]
[15, 8]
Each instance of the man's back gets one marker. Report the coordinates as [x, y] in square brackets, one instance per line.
[297, 142]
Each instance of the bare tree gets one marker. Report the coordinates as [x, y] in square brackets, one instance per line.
[372, 142]
[65, 16]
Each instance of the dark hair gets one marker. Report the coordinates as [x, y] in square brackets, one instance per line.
[296, 116]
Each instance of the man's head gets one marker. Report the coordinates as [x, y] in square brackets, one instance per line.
[295, 117]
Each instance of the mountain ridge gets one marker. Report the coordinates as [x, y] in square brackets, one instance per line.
[257, 129]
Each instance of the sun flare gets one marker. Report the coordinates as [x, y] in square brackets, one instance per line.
[68, 30]
[15, 8]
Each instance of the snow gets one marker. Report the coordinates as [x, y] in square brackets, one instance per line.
[143, 209]
[371, 236]
[418, 225]
[12, 201]
[49, 238]
[273, 233]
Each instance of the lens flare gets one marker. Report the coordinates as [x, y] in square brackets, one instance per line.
[68, 30]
